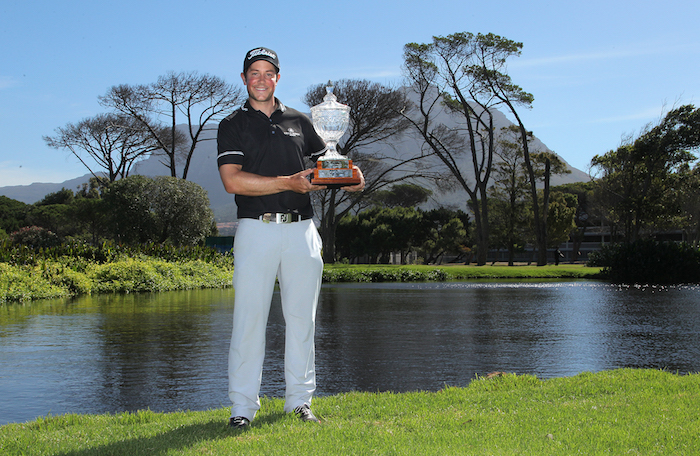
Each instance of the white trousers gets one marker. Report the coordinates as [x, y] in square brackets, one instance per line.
[290, 252]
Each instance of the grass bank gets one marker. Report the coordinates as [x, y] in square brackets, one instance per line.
[56, 279]
[66, 277]
[396, 273]
[626, 411]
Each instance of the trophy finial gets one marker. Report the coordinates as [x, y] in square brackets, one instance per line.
[330, 96]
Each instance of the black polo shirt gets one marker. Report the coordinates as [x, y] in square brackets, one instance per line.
[274, 146]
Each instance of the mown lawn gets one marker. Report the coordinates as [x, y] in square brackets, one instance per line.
[624, 411]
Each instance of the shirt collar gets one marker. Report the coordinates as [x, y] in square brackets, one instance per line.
[280, 106]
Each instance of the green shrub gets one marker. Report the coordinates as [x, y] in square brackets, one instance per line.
[649, 261]
[201, 274]
[23, 283]
[35, 236]
[152, 274]
[383, 275]
[128, 275]
[74, 282]
[77, 253]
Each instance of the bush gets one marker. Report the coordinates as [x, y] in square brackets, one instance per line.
[383, 275]
[73, 282]
[22, 283]
[649, 262]
[35, 236]
[75, 253]
[129, 275]
[144, 274]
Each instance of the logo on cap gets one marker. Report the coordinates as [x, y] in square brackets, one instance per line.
[262, 51]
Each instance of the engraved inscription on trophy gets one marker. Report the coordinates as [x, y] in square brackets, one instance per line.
[331, 120]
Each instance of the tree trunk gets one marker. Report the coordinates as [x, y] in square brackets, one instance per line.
[542, 228]
[328, 226]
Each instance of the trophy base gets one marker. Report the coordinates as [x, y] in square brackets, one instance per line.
[336, 185]
[336, 182]
[335, 176]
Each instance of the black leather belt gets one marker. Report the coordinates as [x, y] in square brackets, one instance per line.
[281, 217]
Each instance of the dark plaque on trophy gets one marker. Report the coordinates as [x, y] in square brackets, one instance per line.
[330, 120]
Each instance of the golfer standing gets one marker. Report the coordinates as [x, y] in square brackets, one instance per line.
[261, 152]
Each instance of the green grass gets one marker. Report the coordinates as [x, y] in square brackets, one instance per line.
[625, 411]
[68, 277]
[386, 273]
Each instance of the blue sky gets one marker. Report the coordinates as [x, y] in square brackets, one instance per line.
[599, 70]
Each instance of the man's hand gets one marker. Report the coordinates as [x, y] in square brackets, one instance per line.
[359, 187]
[300, 182]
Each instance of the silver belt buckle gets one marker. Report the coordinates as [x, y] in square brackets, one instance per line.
[276, 218]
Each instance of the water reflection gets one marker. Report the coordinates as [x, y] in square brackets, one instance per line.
[168, 351]
[112, 353]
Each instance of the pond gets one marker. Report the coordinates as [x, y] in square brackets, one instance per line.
[168, 351]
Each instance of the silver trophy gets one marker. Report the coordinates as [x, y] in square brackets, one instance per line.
[331, 120]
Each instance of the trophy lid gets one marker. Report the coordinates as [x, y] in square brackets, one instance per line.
[330, 103]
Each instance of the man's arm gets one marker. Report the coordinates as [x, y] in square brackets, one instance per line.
[240, 182]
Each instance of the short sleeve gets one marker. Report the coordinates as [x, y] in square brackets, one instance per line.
[315, 145]
[229, 147]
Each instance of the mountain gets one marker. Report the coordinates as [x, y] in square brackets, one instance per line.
[32, 193]
[203, 171]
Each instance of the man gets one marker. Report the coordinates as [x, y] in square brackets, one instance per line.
[261, 148]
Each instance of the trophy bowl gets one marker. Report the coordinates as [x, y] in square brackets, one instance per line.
[331, 120]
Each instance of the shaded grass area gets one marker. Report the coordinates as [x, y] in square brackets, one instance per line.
[396, 273]
[625, 411]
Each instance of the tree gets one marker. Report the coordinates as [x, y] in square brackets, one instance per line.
[131, 220]
[403, 195]
[157, 107]
[375, 116]
[55, 212]
[561, 218]
[464, 73]
[13, 214]
[445, 231]
[691, 204]
[507, 194]
[90, 212]
[163, 209]
[114, 142]
[183, 216]
[493, 52]
[587, 213]
[377, 232]
[642, 179]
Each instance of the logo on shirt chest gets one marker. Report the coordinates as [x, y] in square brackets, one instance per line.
[291, 132]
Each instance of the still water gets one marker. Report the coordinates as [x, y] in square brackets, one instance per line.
[168, 351]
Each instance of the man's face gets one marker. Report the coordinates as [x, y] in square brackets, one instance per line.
[261, 80]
